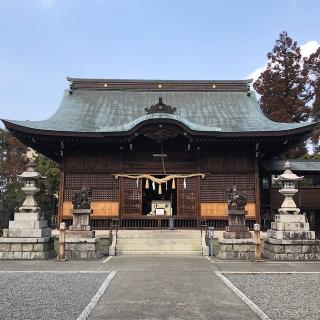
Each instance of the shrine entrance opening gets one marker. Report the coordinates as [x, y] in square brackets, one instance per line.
[159, 201]
[144, 204]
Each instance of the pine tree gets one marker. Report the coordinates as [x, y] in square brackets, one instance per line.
[283, 85]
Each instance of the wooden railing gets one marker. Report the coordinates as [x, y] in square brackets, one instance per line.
[158, 223]
[94, 223]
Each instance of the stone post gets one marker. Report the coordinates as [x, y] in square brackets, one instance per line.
[257, 246]
[62, 244]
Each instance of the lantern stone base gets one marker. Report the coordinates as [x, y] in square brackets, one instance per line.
[236, 249]
[275, 249]
[27, 248]
[290, 238]
[27, 238]
[81, 248]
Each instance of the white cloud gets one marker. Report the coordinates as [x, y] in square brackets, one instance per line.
[306, 50]
[47, 3]
[256, 73]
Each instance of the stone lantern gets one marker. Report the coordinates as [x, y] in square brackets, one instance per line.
[30, 176]
[288, 181]
[28, 236]
[290, 237]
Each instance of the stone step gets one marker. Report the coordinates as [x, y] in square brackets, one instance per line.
[147, 247]
[151, 241]
[122, 234]
[155, 252]
[159, 242]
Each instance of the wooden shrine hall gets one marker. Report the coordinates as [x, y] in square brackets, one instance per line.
[152, 150]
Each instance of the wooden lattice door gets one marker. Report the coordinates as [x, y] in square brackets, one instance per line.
[131, 197]
[188, 197]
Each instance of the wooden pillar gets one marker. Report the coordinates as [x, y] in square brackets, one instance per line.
[120, 199]
[257, 189]
[61, 193]
[198, 196]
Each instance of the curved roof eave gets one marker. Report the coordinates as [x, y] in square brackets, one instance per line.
[132, 127]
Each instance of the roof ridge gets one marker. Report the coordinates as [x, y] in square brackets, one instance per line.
[160, 85]
[160, 80]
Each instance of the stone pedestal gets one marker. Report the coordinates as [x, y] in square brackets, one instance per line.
[291, 239]
[28, 237]
[80, 241]
[236, 249]
[237, 228]
[237, 242]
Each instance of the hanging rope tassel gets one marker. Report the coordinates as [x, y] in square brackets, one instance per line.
[160, 189]
[184, 183]
[173, 184]
[137, 183]
[166, 185]
[147, 184]
[153, 185]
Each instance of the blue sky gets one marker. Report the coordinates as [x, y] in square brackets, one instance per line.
[43, 41]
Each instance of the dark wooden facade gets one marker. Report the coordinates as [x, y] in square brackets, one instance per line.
[223, 166]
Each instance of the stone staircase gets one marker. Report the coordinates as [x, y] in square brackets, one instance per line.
[159, 242]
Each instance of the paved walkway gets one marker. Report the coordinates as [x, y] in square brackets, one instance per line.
[168, 287]
[165, 287]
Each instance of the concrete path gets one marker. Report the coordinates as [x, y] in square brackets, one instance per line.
[165, 287]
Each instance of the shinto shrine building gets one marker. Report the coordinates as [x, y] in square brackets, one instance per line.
[153, 150]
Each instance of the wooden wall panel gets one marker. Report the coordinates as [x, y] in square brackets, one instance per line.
[67, 209]
[106, 164]
[220, 209]
[225, 161]
[104, 186]
[100, 209]
[188, 198]
[131, 199]
[104, 208]
[213, 186]
[213, 209]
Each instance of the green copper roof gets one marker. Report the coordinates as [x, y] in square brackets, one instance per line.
[110, 111]
[296, 165]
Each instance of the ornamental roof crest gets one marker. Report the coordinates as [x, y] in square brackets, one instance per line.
[160, 107]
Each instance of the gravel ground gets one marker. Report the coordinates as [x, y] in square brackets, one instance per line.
[46, 295]
[282, 296]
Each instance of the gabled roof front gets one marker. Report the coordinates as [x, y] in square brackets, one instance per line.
[102, 106]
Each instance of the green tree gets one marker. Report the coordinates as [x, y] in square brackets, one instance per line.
[11, 164]
[49, 186]
[282, 87]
